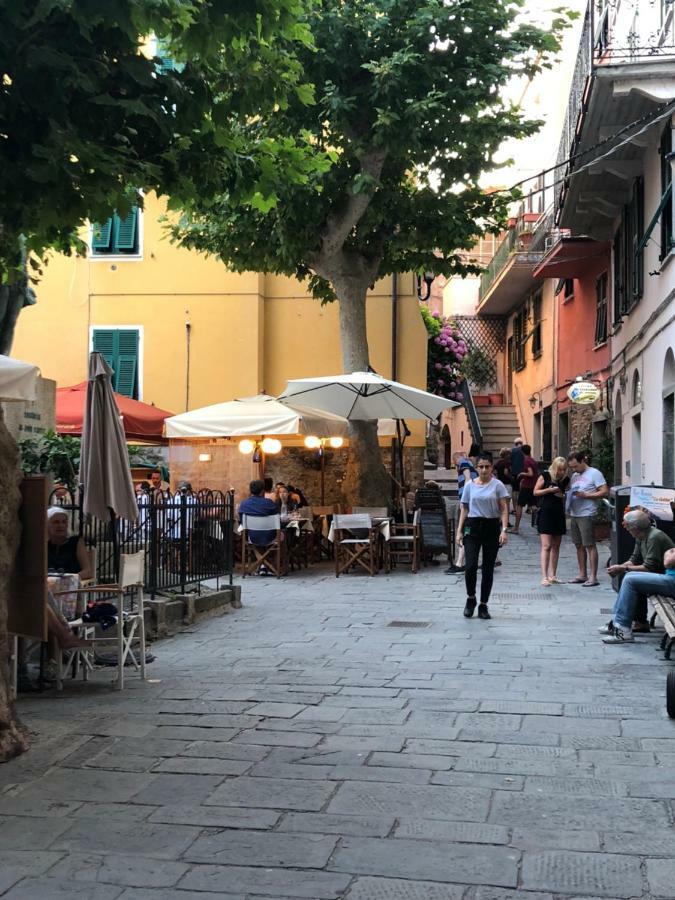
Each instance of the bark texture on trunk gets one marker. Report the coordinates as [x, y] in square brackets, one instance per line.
[366, 481]
[12, 735]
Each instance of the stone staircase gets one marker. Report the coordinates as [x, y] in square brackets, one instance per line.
[446, 478]
[499, 425]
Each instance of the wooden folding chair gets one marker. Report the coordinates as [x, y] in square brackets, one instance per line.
[353, 547]
[255, 555]
[128, 597]
[323, 548]
[404, 543]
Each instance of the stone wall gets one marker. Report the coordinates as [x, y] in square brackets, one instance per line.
[580, 424]
[302, 468]
[31, 419]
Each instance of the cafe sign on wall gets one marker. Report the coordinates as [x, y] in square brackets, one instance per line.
[583, 392]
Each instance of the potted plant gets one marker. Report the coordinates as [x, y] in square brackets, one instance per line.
[480, 370]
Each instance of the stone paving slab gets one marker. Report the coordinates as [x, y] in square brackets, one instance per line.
[304, 750]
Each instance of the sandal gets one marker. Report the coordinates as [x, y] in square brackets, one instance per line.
[591, 584]
[545, 582]
[554, 580]
[578, 581]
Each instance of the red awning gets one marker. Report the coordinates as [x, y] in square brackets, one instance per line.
[142, 422]
[571, 257]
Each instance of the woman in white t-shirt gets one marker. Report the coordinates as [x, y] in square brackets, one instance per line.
[483, 521]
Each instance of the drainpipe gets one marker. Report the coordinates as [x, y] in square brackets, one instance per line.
[188, 336]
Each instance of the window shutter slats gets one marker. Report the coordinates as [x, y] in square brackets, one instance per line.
[101, 235]
[125, 237]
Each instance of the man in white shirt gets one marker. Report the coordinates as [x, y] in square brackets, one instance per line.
[587, 489]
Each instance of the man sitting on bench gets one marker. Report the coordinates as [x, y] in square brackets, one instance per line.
[634, 587]
[650, 545]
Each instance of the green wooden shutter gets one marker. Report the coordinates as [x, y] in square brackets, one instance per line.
[101, 234]
[105, 343]
[126, 381]
[126, 232]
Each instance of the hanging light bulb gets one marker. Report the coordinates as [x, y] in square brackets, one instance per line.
[246, 446]
[271, 446]
[336, 442]
[312, 442]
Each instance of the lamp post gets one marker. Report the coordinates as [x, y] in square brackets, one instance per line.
[319, 444]
[260, 449]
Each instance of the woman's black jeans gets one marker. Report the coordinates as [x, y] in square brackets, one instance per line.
[480, 534]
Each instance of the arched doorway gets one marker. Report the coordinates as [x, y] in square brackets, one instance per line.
[668, 420]
[446, 440]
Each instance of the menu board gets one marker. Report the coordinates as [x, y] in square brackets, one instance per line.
[656, 499]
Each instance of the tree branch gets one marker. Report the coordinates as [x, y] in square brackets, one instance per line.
[339, 226]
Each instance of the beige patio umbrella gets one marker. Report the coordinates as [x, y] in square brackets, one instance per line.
[104, 461]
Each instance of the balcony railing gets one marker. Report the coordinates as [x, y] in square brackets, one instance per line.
[514, 248]
[614, 36]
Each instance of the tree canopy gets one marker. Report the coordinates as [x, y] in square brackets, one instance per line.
[87, 119]
[410, 106]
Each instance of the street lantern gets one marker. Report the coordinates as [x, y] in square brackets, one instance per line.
[319, 444]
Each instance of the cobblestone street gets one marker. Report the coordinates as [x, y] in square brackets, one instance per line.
[358, 738]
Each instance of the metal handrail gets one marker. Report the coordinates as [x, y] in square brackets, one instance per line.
[471, 413]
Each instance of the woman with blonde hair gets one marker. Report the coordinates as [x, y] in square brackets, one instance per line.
[550, 493]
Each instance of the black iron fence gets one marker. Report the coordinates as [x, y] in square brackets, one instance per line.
[187, 538]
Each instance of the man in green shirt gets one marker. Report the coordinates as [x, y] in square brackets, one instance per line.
[650, 545]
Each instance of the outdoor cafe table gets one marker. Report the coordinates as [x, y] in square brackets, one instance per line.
[382, 523]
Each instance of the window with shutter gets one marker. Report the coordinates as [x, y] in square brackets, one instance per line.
[101, 236]
[119, 347]
[117, 236]
[668, 194]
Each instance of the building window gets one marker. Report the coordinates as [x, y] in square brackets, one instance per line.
[120, 349]
[629, 243]
[565, 288]
[636, 390]
[117, 236]
[601, 309]
[536, 325]
[667, 197]
[519, 338]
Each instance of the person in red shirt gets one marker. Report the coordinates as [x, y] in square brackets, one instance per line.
[526, 482]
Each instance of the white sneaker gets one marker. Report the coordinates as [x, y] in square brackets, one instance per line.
[607, 629]
[620, 636]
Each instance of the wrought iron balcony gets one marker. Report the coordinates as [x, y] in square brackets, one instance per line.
[509, 273]
[615, 34]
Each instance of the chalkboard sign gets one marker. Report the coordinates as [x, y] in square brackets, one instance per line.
[434, 528]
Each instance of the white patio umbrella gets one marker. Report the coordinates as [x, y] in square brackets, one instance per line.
[104, 461]
[364, 395]
[259, 416]
[17, 379]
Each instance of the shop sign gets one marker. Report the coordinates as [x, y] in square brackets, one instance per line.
[583, 392]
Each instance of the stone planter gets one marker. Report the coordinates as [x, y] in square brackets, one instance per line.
[496, 399]
[481, 400]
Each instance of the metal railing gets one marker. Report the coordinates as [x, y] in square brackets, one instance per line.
[187, 538]
[512, 249]
[604, 44]
[471, 414]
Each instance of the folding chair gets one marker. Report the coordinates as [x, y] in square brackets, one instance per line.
[352, 546]
[255, 555]
[129, 599]
[404, 543]
[322, 546]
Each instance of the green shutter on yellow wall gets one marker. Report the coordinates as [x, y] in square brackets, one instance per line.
[119, 347]
[125, 232]
[101, 235]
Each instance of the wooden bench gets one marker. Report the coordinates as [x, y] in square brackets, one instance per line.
[664, 608]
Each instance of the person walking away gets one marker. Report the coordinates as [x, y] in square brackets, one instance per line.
[483, 521]
[550, 492]
[517, 460]
[587, 489]
[650, 546]
[502, 471]
[636, 587]
[526, 482]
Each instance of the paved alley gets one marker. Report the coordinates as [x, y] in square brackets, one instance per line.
[358, 738]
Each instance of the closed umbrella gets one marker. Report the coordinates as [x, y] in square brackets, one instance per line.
[104, 461]
[364, 395]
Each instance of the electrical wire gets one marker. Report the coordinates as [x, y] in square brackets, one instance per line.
[650, 119]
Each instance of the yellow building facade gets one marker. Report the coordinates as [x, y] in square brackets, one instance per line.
[203, 334]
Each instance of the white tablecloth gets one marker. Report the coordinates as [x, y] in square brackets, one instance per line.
[382, 525]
